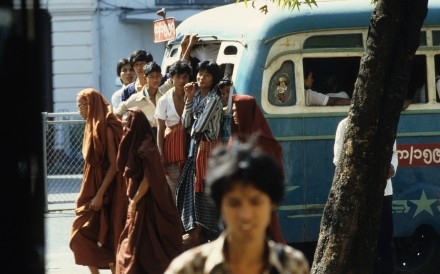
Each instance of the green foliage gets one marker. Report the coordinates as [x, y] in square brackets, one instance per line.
[290, 4]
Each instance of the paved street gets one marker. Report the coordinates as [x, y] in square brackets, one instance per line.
[59, 257]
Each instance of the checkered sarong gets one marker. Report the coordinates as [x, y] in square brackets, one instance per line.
[194, 207]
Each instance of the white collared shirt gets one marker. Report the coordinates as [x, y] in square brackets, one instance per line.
[142, 100]
[166, 110]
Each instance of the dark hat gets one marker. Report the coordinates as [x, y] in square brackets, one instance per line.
[150, 67]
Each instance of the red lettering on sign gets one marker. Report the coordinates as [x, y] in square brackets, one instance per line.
[418, 155]
[164, 30]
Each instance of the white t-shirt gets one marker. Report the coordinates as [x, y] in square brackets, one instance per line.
[166, 110]
[314, 98]
[116, 97]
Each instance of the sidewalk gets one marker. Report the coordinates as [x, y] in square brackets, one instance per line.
[59, 257]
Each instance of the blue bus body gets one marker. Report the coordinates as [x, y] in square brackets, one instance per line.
[255, 49]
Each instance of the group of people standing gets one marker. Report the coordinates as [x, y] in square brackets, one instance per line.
[144, 198]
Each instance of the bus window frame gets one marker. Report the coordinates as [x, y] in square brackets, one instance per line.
[289, 47]
[300, 106]
[230, 59]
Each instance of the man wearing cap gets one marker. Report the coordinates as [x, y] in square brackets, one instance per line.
[148, 96]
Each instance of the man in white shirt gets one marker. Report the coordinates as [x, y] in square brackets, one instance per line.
[146, 98]
[126, 75]
[314, 98]
[386, 254]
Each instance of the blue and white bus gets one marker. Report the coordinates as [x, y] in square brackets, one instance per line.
[257, 49]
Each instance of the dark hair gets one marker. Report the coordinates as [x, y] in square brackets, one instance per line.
[151, 67]
[307, 72]
[180, 67]
[121, 63]
[213, 68]
[226, 81]
[243, 163]
[331, 83]
[140, 55]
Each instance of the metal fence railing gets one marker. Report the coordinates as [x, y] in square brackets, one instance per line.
[63, 161]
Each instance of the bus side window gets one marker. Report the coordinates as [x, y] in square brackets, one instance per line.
[417, 92]
[205, 51]
[227, 70]
[334, 77]
[282, 86]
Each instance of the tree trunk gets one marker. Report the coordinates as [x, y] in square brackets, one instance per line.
[350, 222]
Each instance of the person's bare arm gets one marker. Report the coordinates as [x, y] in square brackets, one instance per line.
[192, 41]
[161, 137]
[122, 109]
[184, 45]
[96, 202]
[336, 101]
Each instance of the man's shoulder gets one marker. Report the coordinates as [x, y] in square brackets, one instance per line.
[129, 86]
[164, 97]
[128, 91]
[137, 96]
[343, 122]
[118, 92]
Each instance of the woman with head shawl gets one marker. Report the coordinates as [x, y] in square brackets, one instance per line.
[101, 204]
[152, 236]
[247, 119]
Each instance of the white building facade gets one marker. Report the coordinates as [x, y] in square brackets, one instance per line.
[90, 36]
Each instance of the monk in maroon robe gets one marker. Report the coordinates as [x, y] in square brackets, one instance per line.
[102, 201]
[152, 236]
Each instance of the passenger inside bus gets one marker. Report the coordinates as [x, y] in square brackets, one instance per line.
[332, 86]
[314, 98]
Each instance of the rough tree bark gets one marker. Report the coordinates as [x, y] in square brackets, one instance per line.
[350, 222]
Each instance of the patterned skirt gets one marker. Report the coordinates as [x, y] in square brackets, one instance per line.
[174, 145]
[195, 208]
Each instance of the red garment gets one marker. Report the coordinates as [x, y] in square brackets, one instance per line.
[174, 145]
[252, 121]
[92, 227]
[153, 236]
[203, 152]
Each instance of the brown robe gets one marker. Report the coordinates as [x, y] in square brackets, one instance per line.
[252, 121]
[152, 238]
[104, 226]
